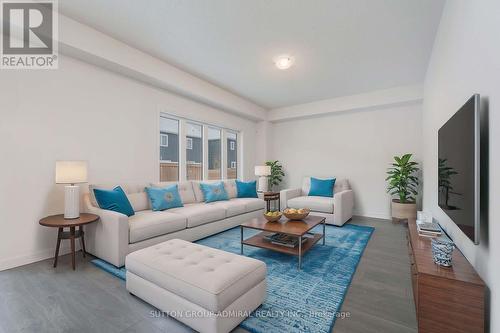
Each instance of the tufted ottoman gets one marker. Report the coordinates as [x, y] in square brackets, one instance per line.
[207, 289]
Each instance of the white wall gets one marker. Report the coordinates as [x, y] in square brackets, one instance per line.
[358, 145]
[466, 60]
[80, 112]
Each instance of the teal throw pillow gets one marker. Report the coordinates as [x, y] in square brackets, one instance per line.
[214, 192]
[246, 189]
[162, 198]
[322, 187]
[115, 200]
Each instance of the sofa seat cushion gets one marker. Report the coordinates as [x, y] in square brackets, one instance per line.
[202, 275]
[200, 213]
[148, 224]
[251, 204]
[232, 207]
[317, 204]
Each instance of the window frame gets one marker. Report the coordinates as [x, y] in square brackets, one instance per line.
[182, 146]
[177, 120]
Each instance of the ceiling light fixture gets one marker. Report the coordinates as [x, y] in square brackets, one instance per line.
[284, 61]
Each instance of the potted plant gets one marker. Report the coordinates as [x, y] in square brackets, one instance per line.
[403, 183]
[277, 174]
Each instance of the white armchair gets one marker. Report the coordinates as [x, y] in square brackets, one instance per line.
[337, 210]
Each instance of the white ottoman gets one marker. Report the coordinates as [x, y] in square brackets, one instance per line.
[207, 289]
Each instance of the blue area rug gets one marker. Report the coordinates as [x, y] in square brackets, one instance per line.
[297, 301]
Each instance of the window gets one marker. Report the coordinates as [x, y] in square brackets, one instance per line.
[194, 151]
[214, 153]
[232, 155]
[163, 140]
[169, 149]
[208, 152]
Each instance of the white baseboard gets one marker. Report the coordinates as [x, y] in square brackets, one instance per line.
[373, 215]
[34, 257]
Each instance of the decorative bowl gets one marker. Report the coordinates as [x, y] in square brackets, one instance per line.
[273, 218]
[442, 250]
[296, 216]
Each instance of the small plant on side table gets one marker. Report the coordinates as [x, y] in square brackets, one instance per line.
[277, 174]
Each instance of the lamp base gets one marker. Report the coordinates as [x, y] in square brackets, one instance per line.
[262, 184]
[71, 202]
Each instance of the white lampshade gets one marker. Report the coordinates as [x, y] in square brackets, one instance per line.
[71, 172]
[262, 170]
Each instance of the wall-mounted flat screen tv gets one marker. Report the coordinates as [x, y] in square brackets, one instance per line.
[459, 168]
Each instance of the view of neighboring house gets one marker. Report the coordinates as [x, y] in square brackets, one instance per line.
[169, 150]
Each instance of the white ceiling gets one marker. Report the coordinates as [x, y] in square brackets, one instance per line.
[341, 47]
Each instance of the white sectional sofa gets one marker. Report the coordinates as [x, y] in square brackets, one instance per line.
[115, 235]
[337, 209]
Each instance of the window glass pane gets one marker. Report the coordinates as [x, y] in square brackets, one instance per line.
[194, 151]
[214, 153]
[169, 149]
[232, 155]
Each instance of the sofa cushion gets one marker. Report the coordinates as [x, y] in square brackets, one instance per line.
[185, 190]
[163, 198]
[251, 204]
[340, 185]
[232, 207]
[317, 204]
[211, 278]
[115, 200]
[200, 213]
[321, 187]
[246, 189]
[214, 192]
[148, 224]
[135, 194]
[229, 186]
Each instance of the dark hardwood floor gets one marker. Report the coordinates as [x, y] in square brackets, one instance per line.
[39, 298]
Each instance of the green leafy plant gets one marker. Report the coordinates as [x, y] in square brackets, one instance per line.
[402, 179]
[277, 173]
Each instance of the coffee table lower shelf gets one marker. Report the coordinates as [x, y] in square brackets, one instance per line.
[258, 240]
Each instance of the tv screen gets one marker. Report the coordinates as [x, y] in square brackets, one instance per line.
[458, 168]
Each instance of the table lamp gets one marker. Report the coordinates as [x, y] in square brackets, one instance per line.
[71, 173]
[262, 171]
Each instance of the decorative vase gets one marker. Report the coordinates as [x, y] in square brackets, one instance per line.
[442, 251]
[403, 210]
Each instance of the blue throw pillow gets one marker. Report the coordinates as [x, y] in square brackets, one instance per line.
[162, 198]
[246, 189]
[115, 200]
[322, 187]
[214, 192]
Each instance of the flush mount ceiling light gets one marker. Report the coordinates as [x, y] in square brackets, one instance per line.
[284, 61]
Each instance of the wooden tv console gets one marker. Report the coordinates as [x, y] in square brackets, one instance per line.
[446, 299]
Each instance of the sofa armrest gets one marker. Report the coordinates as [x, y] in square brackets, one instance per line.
[108, 238]
[343, 204]
[288, 194]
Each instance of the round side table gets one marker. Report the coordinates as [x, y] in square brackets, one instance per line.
[271, 196]
[58, 221]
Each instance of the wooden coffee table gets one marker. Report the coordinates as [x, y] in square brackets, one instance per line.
[290, 227]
